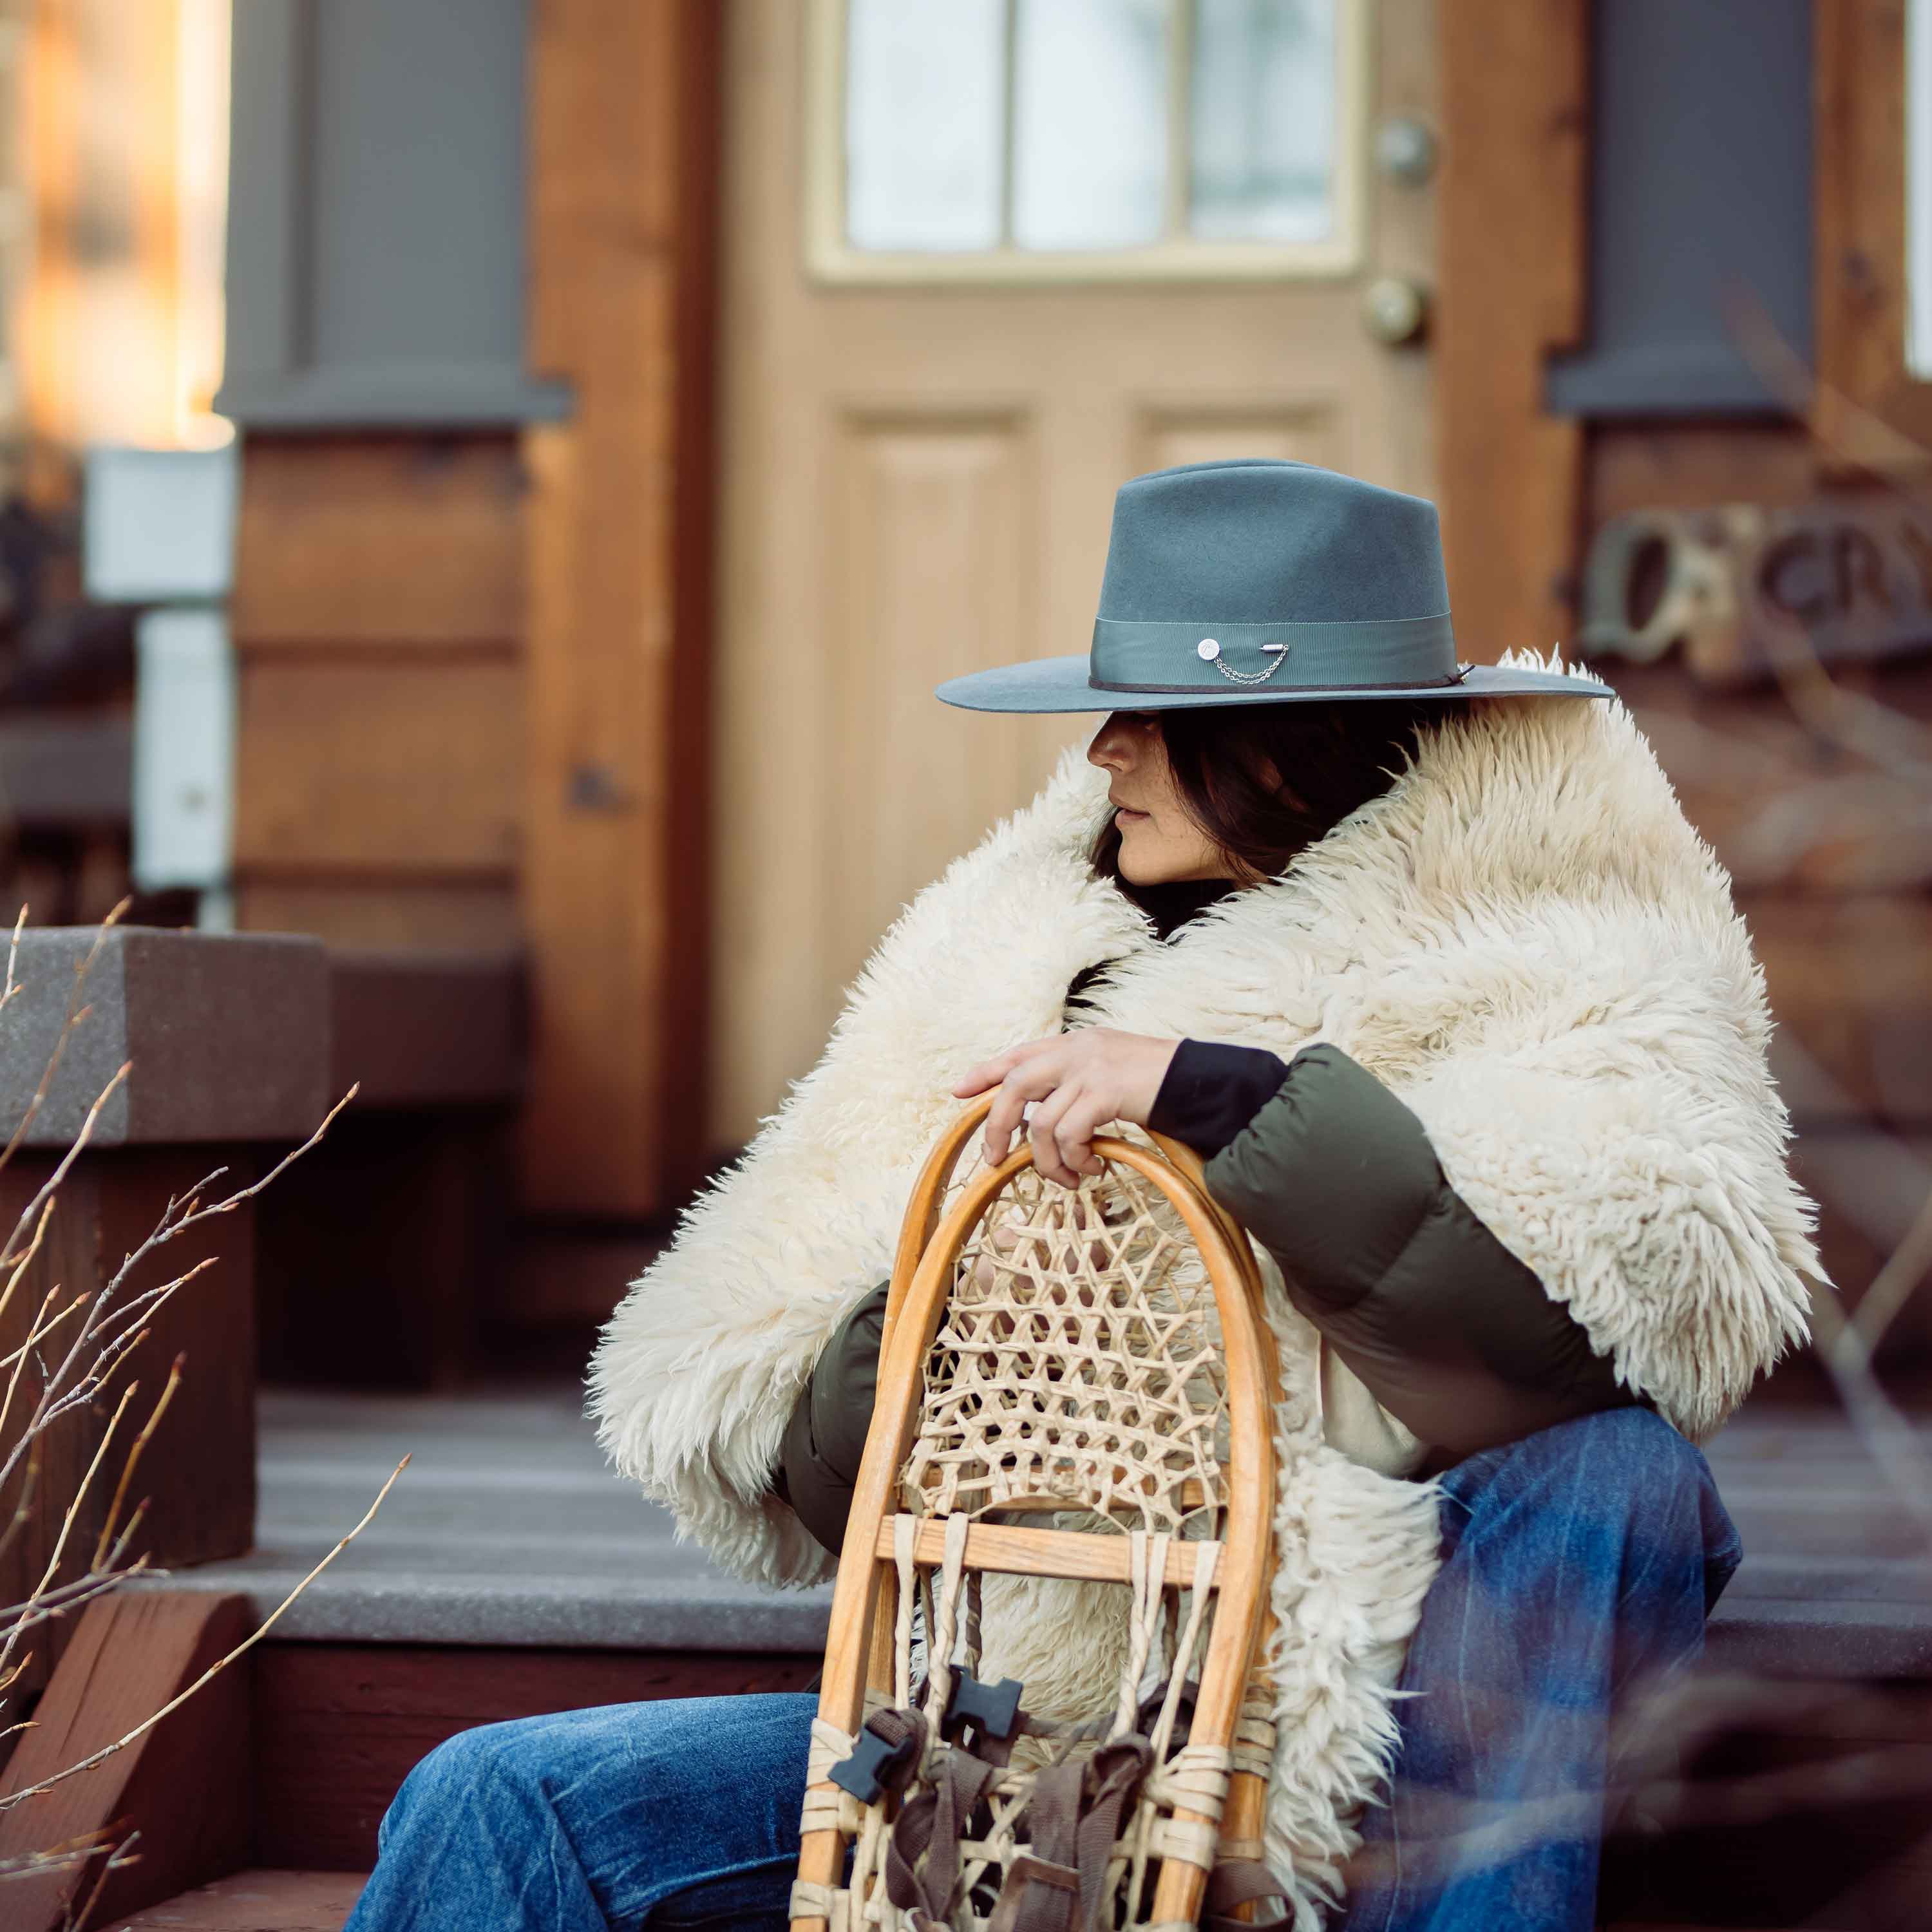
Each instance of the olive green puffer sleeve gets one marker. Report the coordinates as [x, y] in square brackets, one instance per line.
[825, 1440]
[1452, 1335]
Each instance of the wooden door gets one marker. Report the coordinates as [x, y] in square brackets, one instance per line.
[921, 444]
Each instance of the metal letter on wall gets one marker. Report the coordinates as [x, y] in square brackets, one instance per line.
[1733, 582]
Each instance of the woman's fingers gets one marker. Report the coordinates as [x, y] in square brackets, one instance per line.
[1031, 1079]
[990, 1073]
[1050, 1155]
[1083, 1121]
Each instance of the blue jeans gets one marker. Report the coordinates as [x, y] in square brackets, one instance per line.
[1578, 1563]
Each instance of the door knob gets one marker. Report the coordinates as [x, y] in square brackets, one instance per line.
[1405, 149]
[1395, 309]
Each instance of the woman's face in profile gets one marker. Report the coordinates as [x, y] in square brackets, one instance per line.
[1160, 842]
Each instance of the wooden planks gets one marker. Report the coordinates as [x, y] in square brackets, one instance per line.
[378, 614]
[182, 1785]
[622, 140]
[1512, 219]
[1689, 466]
[338, 1726]
[1867, 410]
[476, 914]
[366, 539]
[257, 1901]
[396, 764]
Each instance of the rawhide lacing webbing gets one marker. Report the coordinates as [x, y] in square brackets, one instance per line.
[1077, 1359]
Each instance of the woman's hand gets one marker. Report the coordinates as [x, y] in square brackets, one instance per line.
[1077, 1081]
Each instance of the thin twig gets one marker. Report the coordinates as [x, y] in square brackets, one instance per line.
[75, 1013]
[102, 1546]
[23, 1511]
[51, 1185]
[120, 1855]
[56, 1858]
[9, 1637]
[71, 1597]
[13, 1798]
[12, 957]
[19, 1363]
[26, 1261]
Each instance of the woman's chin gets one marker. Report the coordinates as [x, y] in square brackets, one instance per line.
[1139, 869]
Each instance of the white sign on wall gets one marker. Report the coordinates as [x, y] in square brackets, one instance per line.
[159, 531]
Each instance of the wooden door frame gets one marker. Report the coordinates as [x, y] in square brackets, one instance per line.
[1512, 224]
[615, 865]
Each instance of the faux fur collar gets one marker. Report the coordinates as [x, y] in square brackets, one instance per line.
[1523, 937]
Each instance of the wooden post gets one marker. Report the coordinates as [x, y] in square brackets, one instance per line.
[614, 862]
[226, 1038]
[1868, 410]
[1515, 82]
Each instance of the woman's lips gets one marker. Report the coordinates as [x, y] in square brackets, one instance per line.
[1126, 815]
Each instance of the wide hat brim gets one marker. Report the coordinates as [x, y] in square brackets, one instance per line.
[1065, 684]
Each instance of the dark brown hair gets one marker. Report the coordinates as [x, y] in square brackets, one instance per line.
[1266, 780]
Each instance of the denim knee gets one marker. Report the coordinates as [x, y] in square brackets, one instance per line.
[447, 1776]
[1632, 1458]
[1618, 1476]
[1633, 1451]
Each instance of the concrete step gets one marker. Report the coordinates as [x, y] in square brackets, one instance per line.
[508, 1528]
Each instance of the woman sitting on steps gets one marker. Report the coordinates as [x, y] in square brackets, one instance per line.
[1425, 960]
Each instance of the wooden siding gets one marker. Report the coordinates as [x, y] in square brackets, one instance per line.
[378, 622]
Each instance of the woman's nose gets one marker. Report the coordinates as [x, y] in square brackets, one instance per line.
[1114, 745]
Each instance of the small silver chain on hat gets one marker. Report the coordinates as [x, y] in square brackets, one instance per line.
[1210, 648]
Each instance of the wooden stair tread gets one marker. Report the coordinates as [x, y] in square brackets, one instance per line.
[256, 1901]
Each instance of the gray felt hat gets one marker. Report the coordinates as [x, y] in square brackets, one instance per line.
[1262, 581]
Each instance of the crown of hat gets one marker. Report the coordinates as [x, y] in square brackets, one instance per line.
[1265, 540]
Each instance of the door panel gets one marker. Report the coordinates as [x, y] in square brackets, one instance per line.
[917, 481]
[933, 578]
[1189, 433]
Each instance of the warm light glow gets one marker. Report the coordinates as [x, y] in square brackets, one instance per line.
[202, 172]
[121, 314]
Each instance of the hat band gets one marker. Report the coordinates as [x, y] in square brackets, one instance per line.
[1373, 654]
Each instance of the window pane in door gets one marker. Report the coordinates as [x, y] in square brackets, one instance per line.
[924, 113]
[1090, 123]
[1262, 123]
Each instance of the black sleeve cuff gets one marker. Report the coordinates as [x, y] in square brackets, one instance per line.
[1213, 1091]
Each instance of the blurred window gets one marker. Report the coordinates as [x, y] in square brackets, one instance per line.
[1918, 191]
[1262, 130]
[923, 124]
[16, 211]
[1081, 140]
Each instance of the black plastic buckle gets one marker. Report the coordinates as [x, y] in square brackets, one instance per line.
[875, 1766]
[992, 1709]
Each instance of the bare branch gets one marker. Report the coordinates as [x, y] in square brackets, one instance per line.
[26, 1261]
[102, 1546]
[10, 1637]
[13, 958]
[122, 1855]
[75, 1013]
[51, 1185]
[247, 1643]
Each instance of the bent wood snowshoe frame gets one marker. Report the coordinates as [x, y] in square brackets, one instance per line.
[1096, 1357]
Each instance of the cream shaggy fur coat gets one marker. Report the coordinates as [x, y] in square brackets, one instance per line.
[1523, 938]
